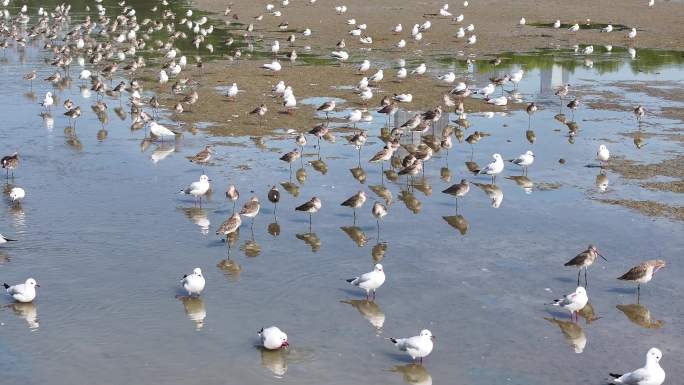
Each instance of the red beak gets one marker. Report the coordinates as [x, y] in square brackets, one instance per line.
[285, 344]
[37, 285]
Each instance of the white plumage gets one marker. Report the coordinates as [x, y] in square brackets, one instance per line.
[194, 283]
[370, 281]
[23, 292]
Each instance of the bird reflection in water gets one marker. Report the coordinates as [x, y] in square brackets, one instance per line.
[300, 174]
[640, 315]
[275, 361]
[356, 234]
[319, 165]
[194, 309]
[414, 374]
[359, 174]
[493, 191]
[523, 182]
[410, 200]
[161, 152]
[378, 252]
[383, 192]
[291, 188]
[588, 313]
[310, 239]
[27, 312]
[602, 182]
[371, 311]
[197, 216]
[573, 333]
[458, 222]
[274, 229]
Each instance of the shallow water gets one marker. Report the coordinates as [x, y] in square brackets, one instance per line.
[107, 236]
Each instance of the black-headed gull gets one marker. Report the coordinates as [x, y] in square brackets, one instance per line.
[524, 160]
[23, 292]
[194, 282]
[419, 346]
[17, 194]
[199, 188]
[370, 281]
[650, 374]
[603, 154]
[160, 131]
[494, 168]
[573, 302]
[273, 338]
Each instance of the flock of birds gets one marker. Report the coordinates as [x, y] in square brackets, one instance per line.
[104, 46]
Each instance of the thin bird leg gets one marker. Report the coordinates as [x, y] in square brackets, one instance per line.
[585, 277]
[578, 276]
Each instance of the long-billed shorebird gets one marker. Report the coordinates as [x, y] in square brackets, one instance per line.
[355, 201]
[643, 273]
[458, 190]
[584, 260]
[10, 162]
[231, 225]
[233, 194]
[251, 208]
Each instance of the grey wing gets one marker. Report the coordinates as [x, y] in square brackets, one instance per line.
[16, 289]
[635, 377]
[409, 343]
[364, 278]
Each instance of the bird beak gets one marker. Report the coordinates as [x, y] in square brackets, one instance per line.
[37, 285]
[604, 258]
[285, 344]
[433, 338]
[209, 180]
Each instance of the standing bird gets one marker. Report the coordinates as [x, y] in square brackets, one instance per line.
[531, 109]
[524, 160]
[573, 105]
[584, 260]
[562, 91]
[48, 101]
[573, 302]
[160, 131]
[274, 197]
[650, 374]
[233, 194]
[259, 112]
[379, 211]
[382, 156]
[419, 346]
[458, 190]
[10, 162]
[202, 157]
[17, 194]
[603, 154]
[639, 113]
[370, 281]
[23, 292]
[231, 225]
[198, 189]
[494, 168]
[193, 283]
[327, 107]
[251, 208]
[643, 273]
[273, 338]
[311, 207]
[291, 157]
[355, 201]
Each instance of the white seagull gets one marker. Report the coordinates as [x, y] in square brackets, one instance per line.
[370, 281]
[447, 78]
[632, 33]
[525, 160]
[603, 154]
[199, 188]
[273, 338]
[273, 66]
[494, 168]
[364, 66]
[23, 292]
[574, 301]
[193, 283]
[419, 346]
[17, 194]
[650, 374]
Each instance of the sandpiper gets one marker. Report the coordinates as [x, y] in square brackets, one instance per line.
[355, 201]
[382, 156]
[327, 107]
[573, 105]
[251, 208]
[202, 157]
[233, 194]
[291, 157]
[231, 225]
[311, 207]
[531, 109]
[643, 273]
[274, 197]
[639, 113]
[584, 260]
[259, 112]
[319, 131]
[458, 190]
[10, 162]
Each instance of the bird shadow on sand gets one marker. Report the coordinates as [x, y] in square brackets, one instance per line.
[566, 280]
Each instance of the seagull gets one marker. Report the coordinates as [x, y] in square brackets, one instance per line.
[472, 40]
[643, 272]
[494, 168]
[364, 66]
[199, 188]
[524, 160]
[275, 47]
[522, 21]
[402, 73]
[273, 66]
[17, 194]
[574, 28]
[608, 28]
[419, 346]
[48, 101]
[160, 131]
[557, 24]
[341, 56]
[397, 28]
[4, 239]
[23, 292]
[499, 101]
[650, 374]
[516, 77]
[603, 154]
[584, 260]
[403, 98]
[401, 43]
[233, 91]
[573, 302]
[460, 34]
[458, 18]
[193, 283]
[632, 33]
[447, 78]
[354, 117]
[273, 338]
[376, 77]
[370, 281]
[488, 90]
